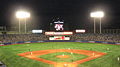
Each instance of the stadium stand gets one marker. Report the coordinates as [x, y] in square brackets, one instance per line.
[10, 38]
[97, 37]
[22, 37]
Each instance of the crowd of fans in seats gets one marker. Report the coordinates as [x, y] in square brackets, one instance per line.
[97, 37]
[22, 37]
[40, 37]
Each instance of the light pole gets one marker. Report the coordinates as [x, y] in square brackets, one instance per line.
[25, 26]
[100, 26]
[19, 26]
[27, 15]
[93, 16]
[22, 15]
[100, 15]
[94, 26]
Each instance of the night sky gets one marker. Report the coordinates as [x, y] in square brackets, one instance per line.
[75, 13]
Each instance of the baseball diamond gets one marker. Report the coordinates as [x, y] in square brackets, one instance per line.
[52, 54]
[42, 52]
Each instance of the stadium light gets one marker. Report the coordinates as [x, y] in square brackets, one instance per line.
[97, 14]
[22, 15]
[93, 16]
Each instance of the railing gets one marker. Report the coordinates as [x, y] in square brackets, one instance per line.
[22, 42]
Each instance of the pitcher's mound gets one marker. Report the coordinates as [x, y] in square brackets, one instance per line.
[63, 56]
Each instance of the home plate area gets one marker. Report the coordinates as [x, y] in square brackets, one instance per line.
[63, 57]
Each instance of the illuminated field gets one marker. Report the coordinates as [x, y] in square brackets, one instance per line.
[9, 54]
[58, 57]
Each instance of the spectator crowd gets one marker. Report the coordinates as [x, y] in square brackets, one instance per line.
[6, 38]
[97, 37]
[22, 37]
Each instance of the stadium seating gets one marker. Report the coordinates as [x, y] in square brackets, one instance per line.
[8, 38]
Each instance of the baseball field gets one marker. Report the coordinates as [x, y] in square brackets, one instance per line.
[60, 54]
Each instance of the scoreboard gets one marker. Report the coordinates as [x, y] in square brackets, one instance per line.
[59, 26]
[59, 35]
[57, 32]
[59, 38]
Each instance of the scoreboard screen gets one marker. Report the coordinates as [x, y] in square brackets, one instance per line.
[37, 31]
[58, 26]
[58, 33]
[80, 31]
[59, 38]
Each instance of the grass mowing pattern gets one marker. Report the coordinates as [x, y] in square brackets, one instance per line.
[73, 57]
[8, 54]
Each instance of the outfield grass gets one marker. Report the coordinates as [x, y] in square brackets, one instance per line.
[8, 54]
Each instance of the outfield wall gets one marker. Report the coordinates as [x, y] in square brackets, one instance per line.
[21, 42]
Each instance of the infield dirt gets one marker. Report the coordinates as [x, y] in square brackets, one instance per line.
[91, 55]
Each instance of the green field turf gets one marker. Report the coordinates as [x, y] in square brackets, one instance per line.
[8, 54]
[73, 57]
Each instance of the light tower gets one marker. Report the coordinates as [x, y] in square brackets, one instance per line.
[22, 15]
[97, 14]
[93, 16]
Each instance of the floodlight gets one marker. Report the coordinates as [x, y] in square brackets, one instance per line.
[22, 14]
[93, 14]
[97, 14]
